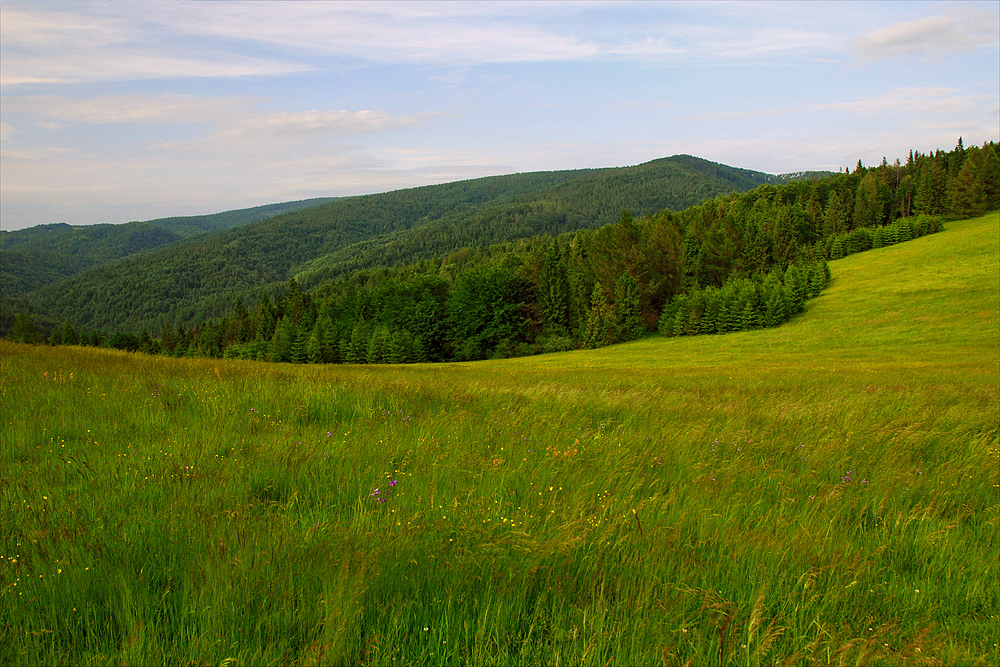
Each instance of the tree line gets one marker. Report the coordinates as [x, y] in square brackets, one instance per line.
[736, 261]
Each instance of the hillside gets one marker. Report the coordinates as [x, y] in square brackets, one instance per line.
[201, 277]
[34, 257]
[822, 492]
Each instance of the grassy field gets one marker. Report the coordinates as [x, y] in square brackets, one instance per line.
[827, 492]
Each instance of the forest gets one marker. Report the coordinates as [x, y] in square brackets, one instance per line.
[522, 275]
[191, 280]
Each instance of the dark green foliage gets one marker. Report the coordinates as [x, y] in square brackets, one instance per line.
[628, 312]
[554, 293]
[37, 256]
[24, 330]
[966, 193]
[735, 262]
[602, 325]
[199, 278]
[486, 307]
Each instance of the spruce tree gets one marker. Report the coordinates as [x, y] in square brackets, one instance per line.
[314, 347]
[966, 194]
[867, 204]
[69, 334]
[281, 342]
[989, 175]
[628, 311]
[834, 218]
[837, 249]
[601, 320]
[554, 291]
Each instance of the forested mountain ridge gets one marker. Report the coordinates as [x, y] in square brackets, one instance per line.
[198, 278]
[593, 199]
[37, 256]
[736, 261]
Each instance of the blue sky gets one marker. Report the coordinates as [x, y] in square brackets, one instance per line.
[113, 111]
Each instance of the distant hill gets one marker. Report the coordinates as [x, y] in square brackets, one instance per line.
[37, 256]
[200, 277]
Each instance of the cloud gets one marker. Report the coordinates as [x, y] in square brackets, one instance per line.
[293, 133]
[452, 33]
[907, 101]
[87, 44]
[960, 29]
[141, 108]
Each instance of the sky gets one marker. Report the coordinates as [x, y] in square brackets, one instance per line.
[114, 110]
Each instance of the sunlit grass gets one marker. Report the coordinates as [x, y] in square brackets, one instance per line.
[823, 492]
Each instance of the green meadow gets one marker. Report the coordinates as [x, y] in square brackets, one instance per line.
[826, 492]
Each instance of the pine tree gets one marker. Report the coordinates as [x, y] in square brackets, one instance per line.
[601, 321]
[24, 330]
[69, 336]
[989, 175]
[628, 310]
[357, 352]
[378, 346]
[281, 342]
[297, 351]
[867, 204]
[314, 347]
[878, 238]
[834, 218]
[774, 313]
[554, 291]
[837, 249]
[966, 194]
[930, 189]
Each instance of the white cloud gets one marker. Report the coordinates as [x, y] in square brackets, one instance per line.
[142, 108]
[907, 101]
[452, 33]
[292, 133]
[958, 29]
[86, 44]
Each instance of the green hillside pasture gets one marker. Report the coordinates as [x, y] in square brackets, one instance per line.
[821, 493]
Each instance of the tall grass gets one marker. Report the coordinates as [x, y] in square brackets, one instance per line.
[825, 492]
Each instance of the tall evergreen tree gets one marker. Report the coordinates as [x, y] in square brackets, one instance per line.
[554, 291]
[601, 321]
[629, 310]
[966, 194]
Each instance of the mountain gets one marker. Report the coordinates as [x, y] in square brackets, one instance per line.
[37, 256]
[201, 276]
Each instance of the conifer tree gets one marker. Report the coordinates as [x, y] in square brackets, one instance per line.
[281, 342]
[314, 348]
[989, 174]
[867, 204]
[69, 334]
[378, 346]
[554, 291]
[930, 189]
[834, 218]
[24, 329]
[628, 310]
[837, 248]
[358, 349]
[601, 320]
[966, 194]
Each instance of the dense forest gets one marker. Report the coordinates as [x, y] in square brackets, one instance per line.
[197, 279]
[37, 256]
[733, 261]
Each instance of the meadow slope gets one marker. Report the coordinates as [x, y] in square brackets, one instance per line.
[827, 492]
